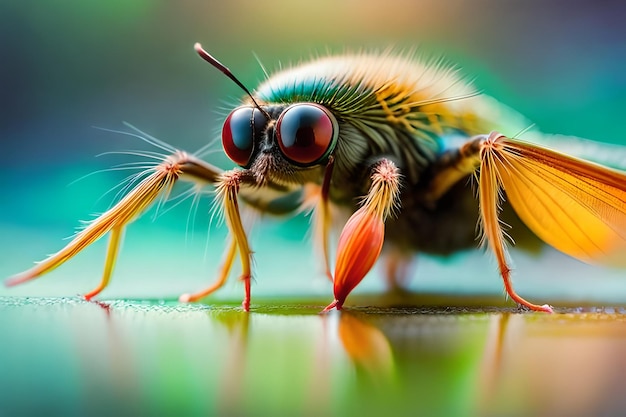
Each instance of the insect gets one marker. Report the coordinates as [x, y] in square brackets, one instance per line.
[394, 145]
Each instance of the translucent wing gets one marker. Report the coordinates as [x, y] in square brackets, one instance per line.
[576, 206]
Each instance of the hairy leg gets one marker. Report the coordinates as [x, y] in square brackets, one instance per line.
[475, 158]
[160, 181]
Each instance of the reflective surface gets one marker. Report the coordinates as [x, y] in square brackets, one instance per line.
[63, 356]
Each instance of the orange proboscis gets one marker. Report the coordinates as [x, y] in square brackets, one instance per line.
[362, 237]
[359, 246]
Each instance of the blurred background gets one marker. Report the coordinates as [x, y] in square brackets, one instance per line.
[67, 66]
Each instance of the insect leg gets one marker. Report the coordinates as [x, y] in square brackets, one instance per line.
[159, 181]
[227, 186]
[453, 166]
[322, 216]
[398, 265]
[477, 155]
[111, 256]
[362, 237]
[489, 188]
[221, 277]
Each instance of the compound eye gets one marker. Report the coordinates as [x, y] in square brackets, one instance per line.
[306, 133]
[238, 133]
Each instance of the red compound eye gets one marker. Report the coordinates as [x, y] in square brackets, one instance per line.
[306, 133]
[239, 132]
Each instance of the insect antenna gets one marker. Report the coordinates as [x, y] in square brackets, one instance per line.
[215, 63]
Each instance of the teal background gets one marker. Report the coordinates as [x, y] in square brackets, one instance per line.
[68, 66]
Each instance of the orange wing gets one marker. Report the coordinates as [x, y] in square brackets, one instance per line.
[576, 206]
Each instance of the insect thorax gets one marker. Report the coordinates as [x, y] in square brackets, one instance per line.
[385, 106]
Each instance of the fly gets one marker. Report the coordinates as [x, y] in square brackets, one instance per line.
[393, 143]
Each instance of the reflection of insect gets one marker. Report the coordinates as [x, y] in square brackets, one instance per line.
[391, 143]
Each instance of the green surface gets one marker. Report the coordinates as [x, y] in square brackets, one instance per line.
[64, 356]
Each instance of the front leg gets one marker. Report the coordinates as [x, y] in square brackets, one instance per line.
[227, 189]
[159, 181]
[363, 235]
